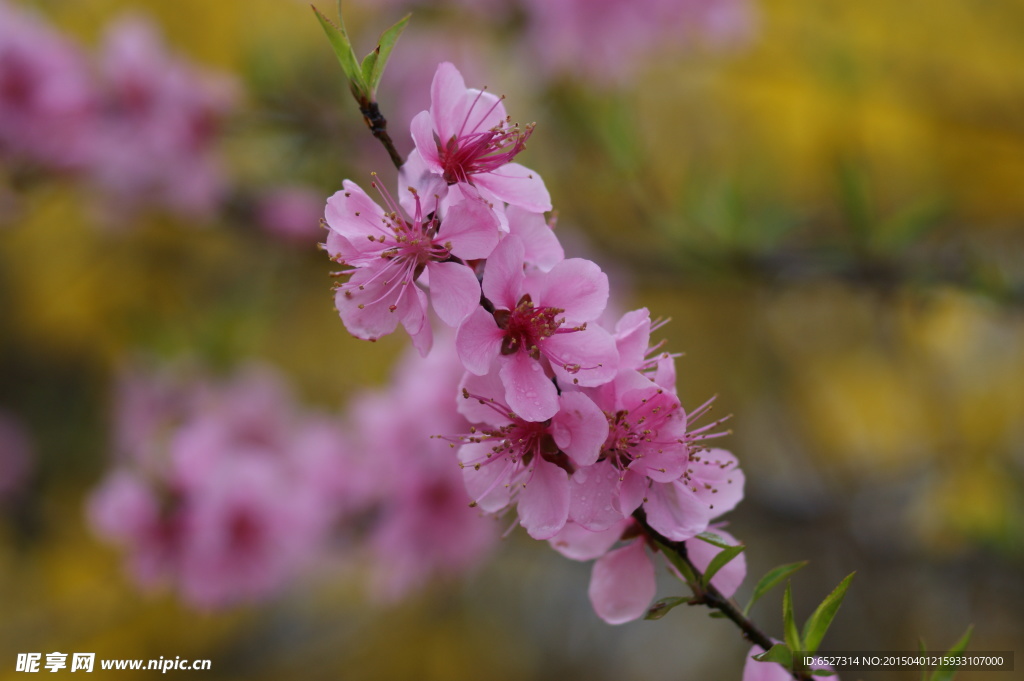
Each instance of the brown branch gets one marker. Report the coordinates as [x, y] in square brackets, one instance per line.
[710, 596]
[378, 125]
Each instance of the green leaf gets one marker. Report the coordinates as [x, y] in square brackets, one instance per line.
[342, 47]
[923, 649]
[947, 673]
[817, 624]
[373, 65]
[714, 540]
[684, 568]
[771, 578]
[661, 608]
[777, 653]
[720, 560]
[792, 636]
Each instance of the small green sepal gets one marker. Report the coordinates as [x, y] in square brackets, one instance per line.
[779, 653]
[681, 565]
[714, 540]
[661, 608]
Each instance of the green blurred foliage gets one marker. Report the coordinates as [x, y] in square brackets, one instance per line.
[833, 218]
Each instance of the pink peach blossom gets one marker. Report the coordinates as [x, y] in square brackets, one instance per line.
[387, 254]
[510, 460]
[47, 98]
[622, 582]
[224, 489]
[422, 524]
[154, 140]
[538, 329]
[466, 139]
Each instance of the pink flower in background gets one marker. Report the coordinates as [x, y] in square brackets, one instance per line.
[249, 527]
[538, 329]
[422, 524]
[466, 139]
[608, 40]
[291, 213]
[46, 93]
[159, 120]
[128, 510]
[388, 253]
[225, 490]
[15, 457]
[509, 459]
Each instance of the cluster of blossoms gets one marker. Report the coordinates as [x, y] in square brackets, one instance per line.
[226, 491]
[574, 425]
[220, 489]
[136, 122]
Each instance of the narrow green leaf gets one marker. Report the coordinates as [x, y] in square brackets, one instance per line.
[792, 636]
[822, 672]
[946, 673]
[373, 65]
[777, 653]
[923, 649]
[714, 540]
[342, 47]
[771, 578]
[681, 565]
[720, 560]
[817, 624]
[661, 608]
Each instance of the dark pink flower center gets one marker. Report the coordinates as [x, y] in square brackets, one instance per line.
[245, 532]
[526, 326]
[632, 432]
[518, 442]
[481, 152]
[17, 82]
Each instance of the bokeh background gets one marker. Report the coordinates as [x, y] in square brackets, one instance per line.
[826, 198]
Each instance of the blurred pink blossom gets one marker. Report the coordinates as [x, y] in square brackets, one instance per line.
[291, 214]
[46, 93]
[15, 457]
[423, 526]
[607, 40]
[159, 119]
[225, 489]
